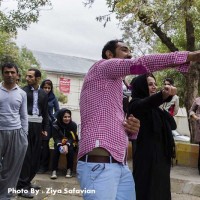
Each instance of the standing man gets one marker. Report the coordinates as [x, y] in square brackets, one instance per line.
[102, 164]
[38, 125]
[13, 129]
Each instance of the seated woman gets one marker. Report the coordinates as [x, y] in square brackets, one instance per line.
[65, 137]
[155, 144]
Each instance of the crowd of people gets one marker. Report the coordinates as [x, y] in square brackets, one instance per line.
[108, 122]
[34, 117]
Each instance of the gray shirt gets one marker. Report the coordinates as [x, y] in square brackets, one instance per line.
[13, 109]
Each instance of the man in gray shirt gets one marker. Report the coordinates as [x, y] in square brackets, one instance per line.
[13, 130]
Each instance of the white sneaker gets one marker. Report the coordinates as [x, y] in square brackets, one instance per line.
[54, 176]
[69, 173]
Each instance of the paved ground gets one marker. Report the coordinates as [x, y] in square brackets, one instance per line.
[185, 184]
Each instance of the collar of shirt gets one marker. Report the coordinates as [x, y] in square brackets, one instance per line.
[3, 88]
[32, 88]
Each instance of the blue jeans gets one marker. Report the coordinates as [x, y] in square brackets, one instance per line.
[110, 181]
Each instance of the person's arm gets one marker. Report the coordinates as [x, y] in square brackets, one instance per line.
[131, 126]
[192, 111]
[24, 114]
[56, 108]
[169, 91]
[55, 135]
[193, 56]
[115, 68]
[56, 105]
[143, 105]
[153, 101]
[75, 131]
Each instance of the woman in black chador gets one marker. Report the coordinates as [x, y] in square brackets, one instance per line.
[65, 140]
[155, 143]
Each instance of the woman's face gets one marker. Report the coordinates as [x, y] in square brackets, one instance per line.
[66, 118]
[151, 85]
[47, 88]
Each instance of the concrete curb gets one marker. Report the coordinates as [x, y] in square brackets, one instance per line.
[185, 187]
[185, 180]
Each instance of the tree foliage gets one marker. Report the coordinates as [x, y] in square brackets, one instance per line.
[24, 58]
[9, 52]
[16, 14]
[8, 48]
[164, 26]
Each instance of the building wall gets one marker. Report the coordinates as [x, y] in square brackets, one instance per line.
[74, 95]
[182, 122]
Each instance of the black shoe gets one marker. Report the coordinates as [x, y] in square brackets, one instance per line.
[36, 187]
[26, 194]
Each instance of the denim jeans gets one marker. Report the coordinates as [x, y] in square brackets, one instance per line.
[110, 181]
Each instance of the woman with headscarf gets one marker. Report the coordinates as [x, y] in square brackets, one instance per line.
[194, 114]
[53, 108]
[155, 144]
[65, 141]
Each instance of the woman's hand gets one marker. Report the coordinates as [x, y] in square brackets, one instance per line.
[65, 148]
[169, 91]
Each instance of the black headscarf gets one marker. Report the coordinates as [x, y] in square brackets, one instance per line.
[140, 87]
[60, 122]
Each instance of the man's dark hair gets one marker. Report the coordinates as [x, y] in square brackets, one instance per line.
[37, 72]
[9, 65]
[170, 80]
[111, 46]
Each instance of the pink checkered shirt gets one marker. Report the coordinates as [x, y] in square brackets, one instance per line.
[101, 97]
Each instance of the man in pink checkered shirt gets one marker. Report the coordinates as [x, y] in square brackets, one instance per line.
[102, 165]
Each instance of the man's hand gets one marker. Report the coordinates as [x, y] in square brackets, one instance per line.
[194, 56]
[44, 133]
[131, 125]
[169, 91]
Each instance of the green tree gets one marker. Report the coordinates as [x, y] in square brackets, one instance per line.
[172, 23]
[8, 48]
[25, 61]
[60, 96]
[24, 58]
[9, 52]
[16, 14]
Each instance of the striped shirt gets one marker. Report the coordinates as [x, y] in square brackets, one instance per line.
[101, 98]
